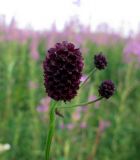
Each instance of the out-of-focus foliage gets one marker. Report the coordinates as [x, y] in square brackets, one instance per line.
[104, 131]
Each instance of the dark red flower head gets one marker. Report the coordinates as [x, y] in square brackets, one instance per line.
[106, 89]
[100, 61]
[62, 71]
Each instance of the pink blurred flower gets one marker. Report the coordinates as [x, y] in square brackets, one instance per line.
[24, 35]
[96, 104]
[84, 49]
[83, 125]
[101, 39]
[44, 105]
[83, 78]
[76, 115]
[132, 51]
[70, 126]
[83, 109]
[62, 126]
[103, 124]
[34, 50]
[42, 108]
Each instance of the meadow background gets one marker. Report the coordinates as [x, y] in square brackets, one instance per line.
[106, 130]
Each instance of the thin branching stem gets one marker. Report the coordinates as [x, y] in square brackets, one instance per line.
[89, 75]
[82, 104]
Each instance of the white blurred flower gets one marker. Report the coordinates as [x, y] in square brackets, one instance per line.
[4, 147]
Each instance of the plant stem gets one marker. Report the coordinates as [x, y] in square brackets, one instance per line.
[89, 75]
[82, 104]
[51, 131]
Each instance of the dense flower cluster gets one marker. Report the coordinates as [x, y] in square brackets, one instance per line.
[62, 71]
[100, 61]
[106, 89]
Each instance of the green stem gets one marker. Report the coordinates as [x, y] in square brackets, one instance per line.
[51, 131]
[89, 75]
[82, 104]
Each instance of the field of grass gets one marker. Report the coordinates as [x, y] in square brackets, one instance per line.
[108, 130]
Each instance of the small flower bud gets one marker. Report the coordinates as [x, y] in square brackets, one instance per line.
[106, 89]
[100, 61]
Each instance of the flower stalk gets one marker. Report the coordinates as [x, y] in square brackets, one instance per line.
[82, 104]
[50, 131]
[90, 74]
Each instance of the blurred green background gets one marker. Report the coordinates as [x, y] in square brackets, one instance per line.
[107, 130]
